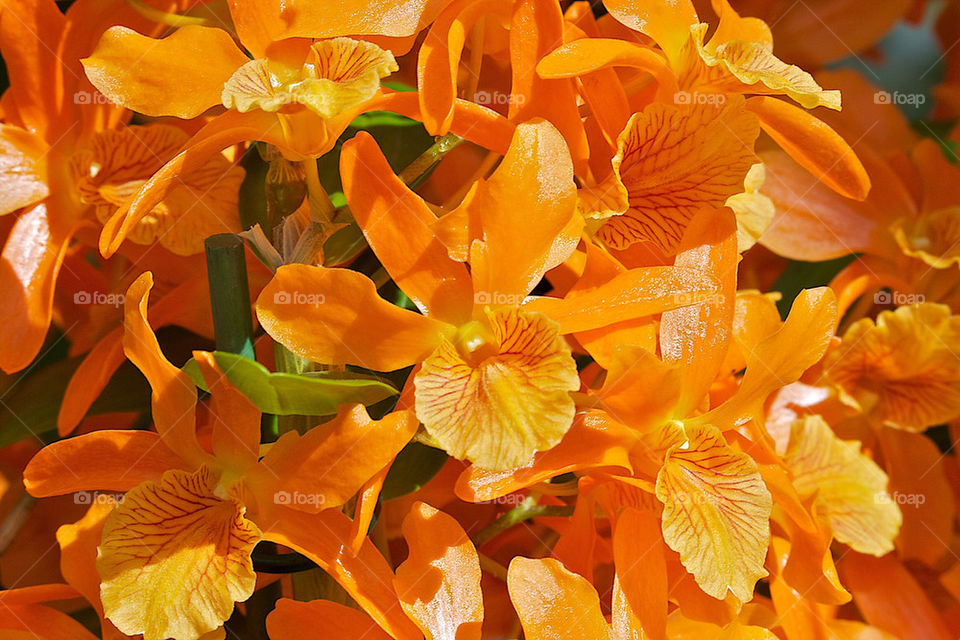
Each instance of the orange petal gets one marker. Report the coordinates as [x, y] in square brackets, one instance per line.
[261, 22]
[236, 422]
[438, 61]
[640, 390]
[32, 255]
[168, 534]
[586, 55]
[889, 598]
[781, 358]
[671, 162]
[30, 32]
[666, 21]
[32, 621]
[174, 395]
[850, 489]
[696, 338]
[932, 237]
[636, 293]
[502, 392]
[519, 212]
[181, 75]
[593, 442]
[815, 146]
[22, 168]
[335, 316]
[439, 582]
[350, 449]
[117, 162]
[397, 224]
[78, 556]
[367, 500]
[813, 222]
[324, 538]
[638, 551]
[536, 28]
[553, 603]
[292, 620]
[101, 362]
[901, 370]
[716, 513]
[916, 469]
[101, 460]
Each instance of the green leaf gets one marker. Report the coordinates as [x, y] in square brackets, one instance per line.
[801, 275]
[311, 394]
[414, 466]
[30, 404]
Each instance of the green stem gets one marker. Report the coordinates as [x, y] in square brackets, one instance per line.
[524, 511]
[418, 169]
[229, 294]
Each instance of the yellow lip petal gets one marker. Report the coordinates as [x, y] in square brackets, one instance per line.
[500, 394]
[716, 512]
[165, 536]
[336, 75]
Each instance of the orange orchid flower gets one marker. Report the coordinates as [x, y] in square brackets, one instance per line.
[197, 514]
[73, 162]
[495, 375]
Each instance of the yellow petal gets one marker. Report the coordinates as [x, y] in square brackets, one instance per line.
[850, 489]
[337, 75]
[500, 393]
[554, 603]
[902, 370]
[175, 558]
[716, 512]
[754, 63]
[672, 161]
[754, 210]
[933, 238]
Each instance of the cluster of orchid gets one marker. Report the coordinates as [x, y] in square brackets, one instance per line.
[463, 319]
